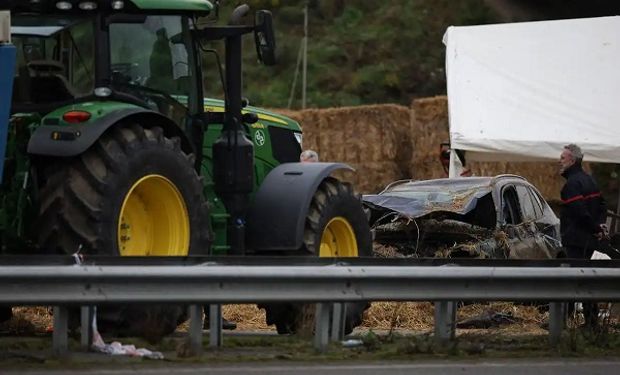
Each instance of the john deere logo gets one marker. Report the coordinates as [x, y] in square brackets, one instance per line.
[259, 137]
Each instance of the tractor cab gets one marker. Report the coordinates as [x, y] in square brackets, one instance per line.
[74, 57]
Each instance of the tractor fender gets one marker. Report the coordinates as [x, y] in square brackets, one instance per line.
[276, 219]
[72, 140]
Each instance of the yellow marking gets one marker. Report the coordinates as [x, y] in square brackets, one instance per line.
[261, 116]
[258, 125]
[214, 109]
[271, 118]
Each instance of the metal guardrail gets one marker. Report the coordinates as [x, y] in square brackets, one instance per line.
[244, 284]
[84, 285]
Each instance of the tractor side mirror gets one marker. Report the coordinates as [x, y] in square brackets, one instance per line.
[264, 37]
[238, 14]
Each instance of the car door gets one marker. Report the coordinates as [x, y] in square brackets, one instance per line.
[534, 239]
[517, 221]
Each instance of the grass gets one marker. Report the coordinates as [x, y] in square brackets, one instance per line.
[400, 332]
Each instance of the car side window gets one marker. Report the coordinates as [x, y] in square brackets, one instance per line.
[538, 206]
[527, 205]
[510, 206]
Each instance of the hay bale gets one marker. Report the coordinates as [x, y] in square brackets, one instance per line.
[375, 140]
[429, 129]
[543, 175]
[390, 142]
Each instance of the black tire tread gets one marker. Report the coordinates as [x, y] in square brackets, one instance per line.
[74, 211]
[331, 194]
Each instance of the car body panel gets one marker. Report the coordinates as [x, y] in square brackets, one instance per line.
[481, 217]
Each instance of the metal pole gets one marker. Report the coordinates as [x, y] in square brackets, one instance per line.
[195, 329]
[60, 336]
[321, 329]
[338, 321]
[86, 317]
[445, 321]
[294, 85]
[556, 321]
[215, 326]
[305, 70]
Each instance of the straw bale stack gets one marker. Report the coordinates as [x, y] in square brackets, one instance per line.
[375, 140]
[543, 175]
[429, 129]
[390, 142]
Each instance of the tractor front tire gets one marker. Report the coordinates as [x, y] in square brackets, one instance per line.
[134, 192]
[336, 226]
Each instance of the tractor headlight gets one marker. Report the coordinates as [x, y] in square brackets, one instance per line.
[64, 5]
[118, 4]
[298, 137]
[88, 5]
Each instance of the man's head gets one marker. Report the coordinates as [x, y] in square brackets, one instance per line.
[309, 156]
[570, 155]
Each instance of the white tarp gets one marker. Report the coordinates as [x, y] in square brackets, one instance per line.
[522, 91]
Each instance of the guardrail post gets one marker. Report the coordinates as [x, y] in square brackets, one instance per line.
[445, 320]
[86, 329]
[215, 326]
[557, 318]
[339, 314]
[557, 314]
[195, 329]
[321, 329]
[60, 336]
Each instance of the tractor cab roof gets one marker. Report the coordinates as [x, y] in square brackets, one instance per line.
[198, 7]
[36, 26]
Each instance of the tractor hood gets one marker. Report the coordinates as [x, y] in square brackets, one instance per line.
[274, 119]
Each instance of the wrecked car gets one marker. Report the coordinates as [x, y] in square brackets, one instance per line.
[476, 217]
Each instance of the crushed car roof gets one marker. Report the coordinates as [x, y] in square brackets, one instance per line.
[418, 198]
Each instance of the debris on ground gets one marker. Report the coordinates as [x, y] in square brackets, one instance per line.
[117, 348]
[488, 319]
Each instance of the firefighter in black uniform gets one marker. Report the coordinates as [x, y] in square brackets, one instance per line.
[583, 215]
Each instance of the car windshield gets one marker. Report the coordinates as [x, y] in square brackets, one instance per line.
[55, 58]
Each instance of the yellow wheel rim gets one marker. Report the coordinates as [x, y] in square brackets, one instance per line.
[153, 219]
[338, 239]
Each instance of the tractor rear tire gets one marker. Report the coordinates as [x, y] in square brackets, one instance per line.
[336, 226]
[134, 192]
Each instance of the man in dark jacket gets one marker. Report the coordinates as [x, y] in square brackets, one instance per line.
[583, 214]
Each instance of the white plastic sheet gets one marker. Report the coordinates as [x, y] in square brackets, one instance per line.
[521, 91]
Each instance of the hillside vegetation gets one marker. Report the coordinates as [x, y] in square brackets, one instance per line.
[359, 51]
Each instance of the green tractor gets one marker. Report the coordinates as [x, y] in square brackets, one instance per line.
[113, 149]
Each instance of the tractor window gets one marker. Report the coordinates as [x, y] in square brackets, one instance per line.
[146, 54]
[149, 60]
[80, 58]
[55, 59]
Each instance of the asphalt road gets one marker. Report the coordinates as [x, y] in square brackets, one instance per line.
[504, 367]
